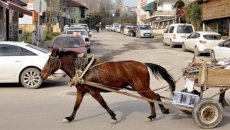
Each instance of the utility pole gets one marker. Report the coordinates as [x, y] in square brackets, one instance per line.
[38, 25]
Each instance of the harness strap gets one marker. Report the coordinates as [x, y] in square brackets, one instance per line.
[78, 78]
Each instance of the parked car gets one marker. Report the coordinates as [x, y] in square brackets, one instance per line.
[69, 42]
[221, 51]
[127, 28]
[177, 33]
[76, 27]
[83, 34]
[144, 30]
[132, 32]
[22, 62]
[201, 42]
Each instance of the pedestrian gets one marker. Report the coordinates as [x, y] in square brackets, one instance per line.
[97, 27]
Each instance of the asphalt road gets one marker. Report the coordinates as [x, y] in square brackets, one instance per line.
[44, 108]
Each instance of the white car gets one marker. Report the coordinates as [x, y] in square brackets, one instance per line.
[80, 26]
[127, 28]
[201, 42]
[22, 62]
[177, 33]
[221, 51]
[84, 35]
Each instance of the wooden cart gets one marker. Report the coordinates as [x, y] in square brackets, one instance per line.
[207, 113]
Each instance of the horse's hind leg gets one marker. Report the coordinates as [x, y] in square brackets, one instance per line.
[96, 95]
[163, 109]
[79, 96]
[151, 95]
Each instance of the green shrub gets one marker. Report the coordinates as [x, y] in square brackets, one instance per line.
[50, 36]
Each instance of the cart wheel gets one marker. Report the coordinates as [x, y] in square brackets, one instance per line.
[207, 113]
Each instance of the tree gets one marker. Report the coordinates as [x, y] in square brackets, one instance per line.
[193, 14]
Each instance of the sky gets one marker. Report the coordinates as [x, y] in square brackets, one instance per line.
[130, 2]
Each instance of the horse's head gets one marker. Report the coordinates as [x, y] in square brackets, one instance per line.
[52, 64]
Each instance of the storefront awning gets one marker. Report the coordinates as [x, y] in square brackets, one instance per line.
[149, 7]
[19, 8]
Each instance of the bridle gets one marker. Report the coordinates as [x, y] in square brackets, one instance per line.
[53, 62]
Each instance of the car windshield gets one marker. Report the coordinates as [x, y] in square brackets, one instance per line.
[38, 48]
[145, 27]
[79, 32]
[212, 37]
[68, 42]
[184, 29]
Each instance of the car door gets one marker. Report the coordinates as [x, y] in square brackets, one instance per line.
[189, 42]
[13, 62]
[167, 35]
[224, 50]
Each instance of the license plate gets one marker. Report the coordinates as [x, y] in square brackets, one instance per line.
[147, 34]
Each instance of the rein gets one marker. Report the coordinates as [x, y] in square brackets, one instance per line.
[78, 78]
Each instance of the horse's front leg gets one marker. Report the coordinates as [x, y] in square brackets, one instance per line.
[96, 95]
[79, 96]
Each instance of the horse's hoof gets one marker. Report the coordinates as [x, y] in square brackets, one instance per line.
[148, 120]
[65, 120]
[166, 111]
[113, 121]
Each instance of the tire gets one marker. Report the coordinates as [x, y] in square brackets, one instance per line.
[212, 56]
[30, 78]
[207, 113]
[196, 51]
[88, 50]
[184, 48]
[131, 34]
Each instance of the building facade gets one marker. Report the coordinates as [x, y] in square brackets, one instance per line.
[161, 13]
[216, 16]
[10, 11]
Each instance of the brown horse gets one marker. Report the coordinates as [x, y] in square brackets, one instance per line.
[118, 74]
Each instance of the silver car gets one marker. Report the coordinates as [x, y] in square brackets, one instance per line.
[144, 30]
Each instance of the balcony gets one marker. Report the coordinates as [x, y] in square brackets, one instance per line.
[163, 13]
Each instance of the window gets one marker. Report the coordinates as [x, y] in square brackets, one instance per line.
[145, 27]
[226, 43]
[74, 42]
[184, 29]
[197, 35]
[171, 29]
[26, 52]
[59, 42]
[9, 50]
[212, 37]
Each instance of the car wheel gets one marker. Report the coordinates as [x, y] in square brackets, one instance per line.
[184, 48]
[30, 78]
[88, 50]
[131, 34]
[196, 51]
[212, 56]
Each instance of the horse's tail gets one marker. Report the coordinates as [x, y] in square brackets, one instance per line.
[161, 72]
